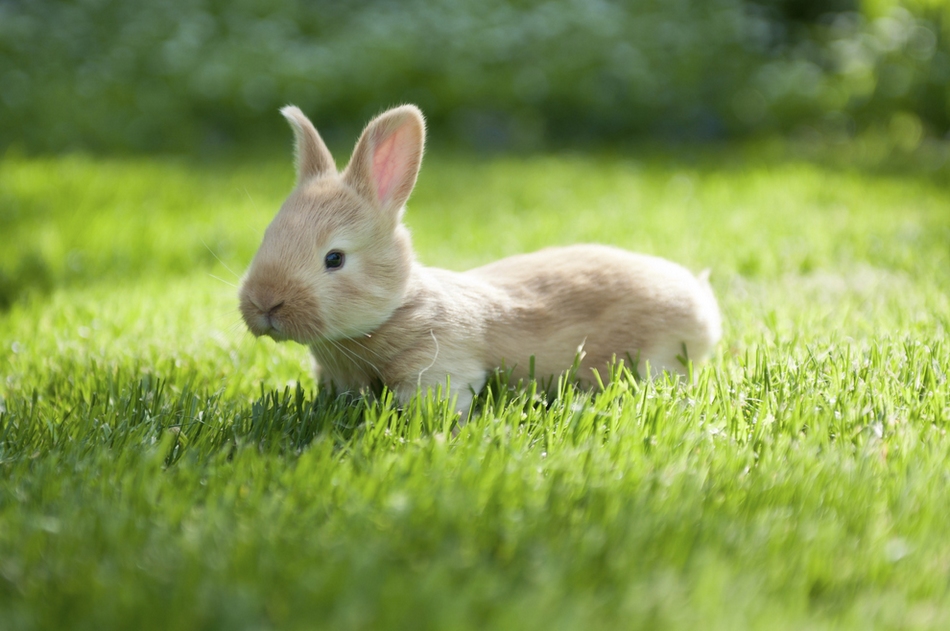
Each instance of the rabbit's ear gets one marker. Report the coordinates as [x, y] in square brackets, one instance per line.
[312, 156]
[387, 158]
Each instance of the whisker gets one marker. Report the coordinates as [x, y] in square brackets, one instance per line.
[248, 193]
[365, 347]
[219, 259]
[356, 358]
[331, 363]
[229, 284]
[216, 320]
[237, 327]
[353, 355]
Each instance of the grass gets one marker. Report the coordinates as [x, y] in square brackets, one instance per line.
[161, 469]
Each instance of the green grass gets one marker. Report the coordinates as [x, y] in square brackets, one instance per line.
[161, 469]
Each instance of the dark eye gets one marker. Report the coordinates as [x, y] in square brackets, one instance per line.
[333, 259]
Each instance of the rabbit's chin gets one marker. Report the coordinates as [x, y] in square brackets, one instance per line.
[277, 336]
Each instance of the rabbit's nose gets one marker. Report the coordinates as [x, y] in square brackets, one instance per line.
[270, 316]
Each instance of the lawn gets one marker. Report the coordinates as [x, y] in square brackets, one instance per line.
[162, 469]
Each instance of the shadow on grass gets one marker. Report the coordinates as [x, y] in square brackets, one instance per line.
[123, 414]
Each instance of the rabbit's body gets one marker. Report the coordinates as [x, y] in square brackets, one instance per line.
[612, 305]
[336, 272]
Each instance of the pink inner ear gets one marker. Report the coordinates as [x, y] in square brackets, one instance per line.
[389, 165]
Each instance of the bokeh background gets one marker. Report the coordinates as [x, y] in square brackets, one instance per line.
[202, 75]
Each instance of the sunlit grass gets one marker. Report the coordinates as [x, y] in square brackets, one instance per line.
[163, 469]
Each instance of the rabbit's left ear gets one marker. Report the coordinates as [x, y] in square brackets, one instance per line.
[387, 158]
[312, 156]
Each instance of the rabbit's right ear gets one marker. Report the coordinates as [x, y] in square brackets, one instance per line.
[312, 156]
[387, 158]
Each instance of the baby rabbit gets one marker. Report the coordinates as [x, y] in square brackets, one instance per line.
[336, 272]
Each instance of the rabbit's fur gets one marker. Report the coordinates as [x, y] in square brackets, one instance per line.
[383, 319]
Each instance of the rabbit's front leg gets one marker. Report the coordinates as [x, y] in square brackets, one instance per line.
[462, 383]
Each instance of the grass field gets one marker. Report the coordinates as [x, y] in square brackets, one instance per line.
[162, 469]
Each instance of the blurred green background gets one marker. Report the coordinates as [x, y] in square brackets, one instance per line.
[203, 75]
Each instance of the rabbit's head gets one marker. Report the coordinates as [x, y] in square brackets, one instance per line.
[336, 260]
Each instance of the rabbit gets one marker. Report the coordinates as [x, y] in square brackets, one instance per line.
[336, 271]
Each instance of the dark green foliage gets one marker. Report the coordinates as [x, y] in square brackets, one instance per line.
[184, 75]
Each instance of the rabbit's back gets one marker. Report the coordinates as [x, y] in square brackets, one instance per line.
[607, 301]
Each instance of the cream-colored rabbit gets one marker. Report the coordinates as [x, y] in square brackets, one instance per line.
[336, 272]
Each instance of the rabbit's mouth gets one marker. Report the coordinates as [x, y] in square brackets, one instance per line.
[271, 321]
[264, 323]
[275, 334]
[274, 325]
[283, 312]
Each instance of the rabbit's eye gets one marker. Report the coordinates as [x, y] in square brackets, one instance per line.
[333, 259]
